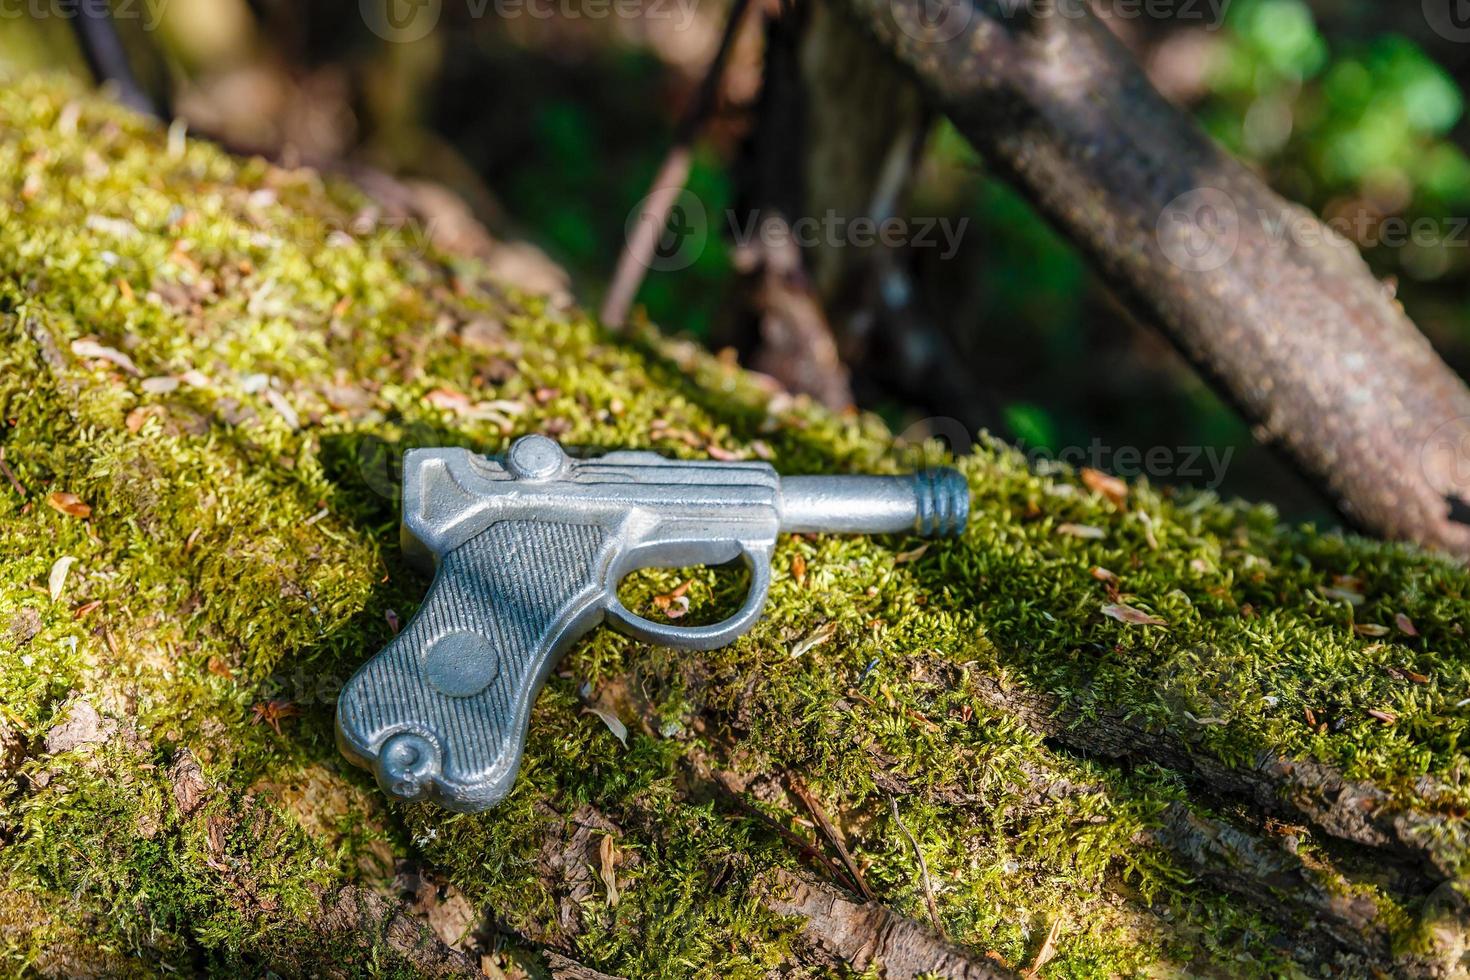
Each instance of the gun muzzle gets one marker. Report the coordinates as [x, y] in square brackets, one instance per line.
[930, 503]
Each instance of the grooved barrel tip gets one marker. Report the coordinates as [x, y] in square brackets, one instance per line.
[943, 499]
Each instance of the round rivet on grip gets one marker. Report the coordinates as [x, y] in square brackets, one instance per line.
[405, 764]
[535, 457]
[461, 664]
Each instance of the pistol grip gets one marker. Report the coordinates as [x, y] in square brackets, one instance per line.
[442, 710]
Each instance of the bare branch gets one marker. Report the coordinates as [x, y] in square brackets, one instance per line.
[1277, 309]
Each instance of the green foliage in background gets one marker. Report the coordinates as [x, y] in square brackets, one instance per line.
[1347, 128]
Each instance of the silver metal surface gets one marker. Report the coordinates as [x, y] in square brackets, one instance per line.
[529, 550]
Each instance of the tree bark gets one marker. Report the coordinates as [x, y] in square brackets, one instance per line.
[1281, 312]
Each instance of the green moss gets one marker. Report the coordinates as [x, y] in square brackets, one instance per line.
[240, 545]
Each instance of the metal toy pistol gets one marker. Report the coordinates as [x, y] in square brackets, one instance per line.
[529, 550]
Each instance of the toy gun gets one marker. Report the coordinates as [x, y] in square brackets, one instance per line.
[529, 550]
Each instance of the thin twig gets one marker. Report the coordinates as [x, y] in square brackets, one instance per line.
[923, 871]
[833, 835]
[107, 58]
[806, 847]
[10, 474]
[668, 183]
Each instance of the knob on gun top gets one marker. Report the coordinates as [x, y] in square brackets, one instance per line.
[528, 550]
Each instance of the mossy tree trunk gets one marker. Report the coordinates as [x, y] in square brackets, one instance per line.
[1101, 733]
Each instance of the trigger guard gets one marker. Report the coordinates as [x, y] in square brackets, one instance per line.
[702, 637]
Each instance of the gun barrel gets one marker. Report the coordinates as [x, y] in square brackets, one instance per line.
[931, 503]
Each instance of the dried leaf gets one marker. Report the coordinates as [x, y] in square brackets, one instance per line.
[674, 604]
[135, 419]
[1086, 531]
[1416, 677]
[69, 504]
[444, 398]
[1148, 529]
[814, 639]
[608, 859]
[283, 408]
[1047, 952]
[614, 725]
[56, 581]
[1342, 595]
[913, 554]
[161, 385]
[86, 608]
[84, 725]
[673, 607]
[1370, 629]
[721, 454]
[1134, 617]
[92, 349]
[1103, 575]
[1406, 625]
[798, 569]
[1387, 717]
[1106, 484]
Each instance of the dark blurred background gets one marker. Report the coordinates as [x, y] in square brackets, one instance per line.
[551, 117]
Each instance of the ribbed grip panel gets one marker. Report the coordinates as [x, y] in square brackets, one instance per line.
[443, 707]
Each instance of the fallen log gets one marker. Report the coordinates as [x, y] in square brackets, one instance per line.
[1040, 746]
